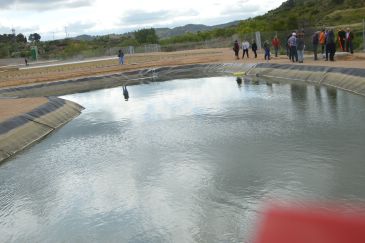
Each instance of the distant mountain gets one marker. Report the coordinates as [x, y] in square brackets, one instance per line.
[164, 33]
[84, 38]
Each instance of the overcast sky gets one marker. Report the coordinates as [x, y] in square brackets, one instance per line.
[52, 19]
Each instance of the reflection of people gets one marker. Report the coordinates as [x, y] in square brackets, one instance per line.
[239, 81]
[125, 93]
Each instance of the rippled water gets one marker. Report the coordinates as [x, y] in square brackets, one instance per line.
[184, 161]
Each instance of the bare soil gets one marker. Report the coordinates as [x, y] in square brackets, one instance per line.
[14, 107]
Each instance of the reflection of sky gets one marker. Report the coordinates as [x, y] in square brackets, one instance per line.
[183, 160]
[156, 101]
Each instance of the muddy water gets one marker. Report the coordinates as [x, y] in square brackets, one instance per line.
[184, 161]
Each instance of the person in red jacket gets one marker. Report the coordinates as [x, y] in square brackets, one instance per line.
[276, 44]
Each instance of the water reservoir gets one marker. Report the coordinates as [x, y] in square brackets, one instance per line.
[189, 160]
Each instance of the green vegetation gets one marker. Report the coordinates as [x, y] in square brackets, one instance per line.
[291, 15]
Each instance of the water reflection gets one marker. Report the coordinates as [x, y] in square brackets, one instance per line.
[187, 160]
[299, 98]
[332, 101]
[125, 93]
[239, 82]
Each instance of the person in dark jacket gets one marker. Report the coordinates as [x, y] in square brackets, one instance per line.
[341, 37]
[330, 45]
[315, 43]
[254, 48]
[267, 50]
[236, 49]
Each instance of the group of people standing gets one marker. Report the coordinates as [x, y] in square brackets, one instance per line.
[295, 45]
[245, 47]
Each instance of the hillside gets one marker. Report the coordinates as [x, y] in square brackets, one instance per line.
[164, 33]
[294, 14]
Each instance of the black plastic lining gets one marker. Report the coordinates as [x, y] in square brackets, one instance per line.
[358, 72]
[52, 105]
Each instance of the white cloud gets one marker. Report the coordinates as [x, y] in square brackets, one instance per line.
[49, 18]
[41, 5]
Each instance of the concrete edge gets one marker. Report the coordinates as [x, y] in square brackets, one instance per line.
[349, 79]
[20, 132]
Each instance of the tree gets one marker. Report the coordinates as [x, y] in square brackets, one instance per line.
[145, 36]
[20, 38]
[34, 37]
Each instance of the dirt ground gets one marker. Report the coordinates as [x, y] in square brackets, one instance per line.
[13, 107]
[60, 71]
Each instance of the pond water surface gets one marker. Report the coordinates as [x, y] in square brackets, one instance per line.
[189, 160]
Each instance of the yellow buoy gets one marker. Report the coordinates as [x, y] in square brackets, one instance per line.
[239, 74]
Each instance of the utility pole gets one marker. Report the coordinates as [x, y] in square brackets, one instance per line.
[14, 34]
[363, 34]
[66, 31]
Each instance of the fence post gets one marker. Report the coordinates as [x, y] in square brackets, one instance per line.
[258, 40]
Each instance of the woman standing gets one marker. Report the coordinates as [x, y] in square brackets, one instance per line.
[236, 49]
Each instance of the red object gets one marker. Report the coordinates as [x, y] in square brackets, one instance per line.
[310, 225]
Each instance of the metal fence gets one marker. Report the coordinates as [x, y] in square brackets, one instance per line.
[260, 38]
